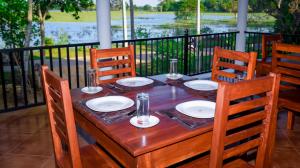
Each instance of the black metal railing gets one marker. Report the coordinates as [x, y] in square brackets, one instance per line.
[20, 67]
[254, 41]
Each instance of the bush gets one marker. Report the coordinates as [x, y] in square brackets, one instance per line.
[49, 41]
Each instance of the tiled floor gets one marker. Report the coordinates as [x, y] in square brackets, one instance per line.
[25, 141]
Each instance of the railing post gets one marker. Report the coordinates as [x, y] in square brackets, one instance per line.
[185, 52]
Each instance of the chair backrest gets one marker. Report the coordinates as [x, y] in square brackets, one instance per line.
[225, 59]
[240, 126]
[121, 61]
[286, 61]
[267, 41]
[58, 101]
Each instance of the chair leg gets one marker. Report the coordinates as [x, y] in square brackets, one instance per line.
[290, 120]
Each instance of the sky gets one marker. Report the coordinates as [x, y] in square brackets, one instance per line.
[144, 2]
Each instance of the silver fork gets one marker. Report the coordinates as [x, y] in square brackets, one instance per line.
[173, 117]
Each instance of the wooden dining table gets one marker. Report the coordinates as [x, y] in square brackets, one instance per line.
[175, 138]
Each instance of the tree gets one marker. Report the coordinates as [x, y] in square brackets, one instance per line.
[116, 4]
[13, 22]
[147, 7]
[185, 9]
[29, 24]
[167, 5]
[42, 7]
[287, 19]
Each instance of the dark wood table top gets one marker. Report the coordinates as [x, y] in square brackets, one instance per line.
[137, 141]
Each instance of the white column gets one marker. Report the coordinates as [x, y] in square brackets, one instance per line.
[132, 19]
[124, 21]
[198, 17]
[242, 25]
[103, 23]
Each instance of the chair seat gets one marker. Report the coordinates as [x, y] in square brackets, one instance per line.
[290, 99]
[204, 163]
[91, 157]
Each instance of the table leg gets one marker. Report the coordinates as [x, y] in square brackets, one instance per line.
[144, 161]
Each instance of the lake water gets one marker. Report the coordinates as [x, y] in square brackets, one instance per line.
[80, 32]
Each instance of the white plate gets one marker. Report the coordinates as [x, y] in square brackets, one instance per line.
[134, 81]
[197, 108]
[177, 76]
[91, 90]
[109, 103]
[204, 85]
[152, 122]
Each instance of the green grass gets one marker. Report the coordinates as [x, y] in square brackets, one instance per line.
[254, 20]
[90, 16]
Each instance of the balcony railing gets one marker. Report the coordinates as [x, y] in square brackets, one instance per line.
[20, 67]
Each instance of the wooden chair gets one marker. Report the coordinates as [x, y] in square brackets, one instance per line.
[225, 59]
[65, 142]
[263, 66]
[121, 60]
[244, 126]
[286, 61]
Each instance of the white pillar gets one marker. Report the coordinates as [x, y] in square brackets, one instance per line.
[198, 17]
[124, 20]
[241, 25]
[132, 19]
[103, 23]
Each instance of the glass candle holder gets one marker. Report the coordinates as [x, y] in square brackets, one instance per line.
[173, 67]
[142, 108]
[91, 79]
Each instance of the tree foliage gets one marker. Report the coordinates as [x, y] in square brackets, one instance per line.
[42, 7]
[13, 22]
[287, 19]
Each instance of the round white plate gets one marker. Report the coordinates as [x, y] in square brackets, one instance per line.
[204, 85]
[197, 108]
[152, 122]
[134, 81]
[177, 76]
[109, 103]
[91, 90]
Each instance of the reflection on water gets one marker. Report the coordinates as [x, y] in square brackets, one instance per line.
[79, 32]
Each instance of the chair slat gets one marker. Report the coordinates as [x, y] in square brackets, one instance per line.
[57, 109]
[289, 65]
[236, 137]
[60, 123]
[114, 63]
[291, 80]
[241, 148]
[234, 55]
[288, 47]
[232, 66]
[62, 135]
[226, 74]
[248, 105]
[107, 53]
[253, 90]
[287, 71]
[248, 119]
[114, 72]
